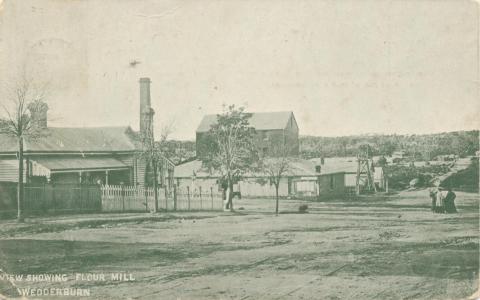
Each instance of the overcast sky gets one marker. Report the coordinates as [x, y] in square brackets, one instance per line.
[343, 67]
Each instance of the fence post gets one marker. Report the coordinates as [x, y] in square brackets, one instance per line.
[188, 197]
[44, 204]
[146, 198]
[211, 195]
[123, 198]
[201, 201]
[81, 197]
[174, 197]
[166, 199]
[53, 199]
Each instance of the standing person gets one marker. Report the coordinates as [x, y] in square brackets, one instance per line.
[440, 205]
[433, 196]
[450, 201]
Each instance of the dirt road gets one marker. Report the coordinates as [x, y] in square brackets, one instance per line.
[370, 248]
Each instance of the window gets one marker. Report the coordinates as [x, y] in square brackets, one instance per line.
[332, 182]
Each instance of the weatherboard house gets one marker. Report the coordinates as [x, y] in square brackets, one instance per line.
[99, 155]
[272, 129]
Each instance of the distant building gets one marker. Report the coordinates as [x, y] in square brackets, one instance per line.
[347, 165]
[273, 130]
[301, 179]
[399, 155]
[106, 155]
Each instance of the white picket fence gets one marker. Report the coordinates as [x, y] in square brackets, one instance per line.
[133, 198]
[122, 198]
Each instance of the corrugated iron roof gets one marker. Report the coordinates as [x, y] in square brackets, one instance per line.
[88, 163]
[337, 164]
[259, 121]
[87, 139]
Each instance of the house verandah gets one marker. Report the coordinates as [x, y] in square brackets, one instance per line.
[127, 169]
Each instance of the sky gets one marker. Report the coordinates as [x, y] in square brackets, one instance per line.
[342, 67]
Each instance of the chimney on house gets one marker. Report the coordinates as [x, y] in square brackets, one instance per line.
[146, 111]
[38, 114]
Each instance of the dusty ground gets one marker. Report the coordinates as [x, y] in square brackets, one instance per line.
[371, 248]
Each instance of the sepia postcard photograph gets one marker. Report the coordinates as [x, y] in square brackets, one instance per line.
[239, 149]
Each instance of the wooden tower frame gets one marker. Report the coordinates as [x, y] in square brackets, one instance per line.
[364, 175]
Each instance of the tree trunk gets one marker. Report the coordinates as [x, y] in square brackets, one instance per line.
[20, 181]
[155, 184]
[276, 199]
[230, 195]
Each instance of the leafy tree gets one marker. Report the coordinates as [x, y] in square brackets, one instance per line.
[18, 123]
[382, 161]
[232, 152]
[425, 147]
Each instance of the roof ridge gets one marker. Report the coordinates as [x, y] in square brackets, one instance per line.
[259, 120]
[256, 112]
[88, 127]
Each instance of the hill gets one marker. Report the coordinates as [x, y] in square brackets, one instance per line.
[422, 147]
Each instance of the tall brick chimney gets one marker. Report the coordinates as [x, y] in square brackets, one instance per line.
[146, 111]
[38, 113]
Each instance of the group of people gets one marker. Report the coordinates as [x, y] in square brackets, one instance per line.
[443, 200]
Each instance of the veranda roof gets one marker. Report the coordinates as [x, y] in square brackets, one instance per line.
[44, 166]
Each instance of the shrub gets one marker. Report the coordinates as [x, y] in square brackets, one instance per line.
[303, 208]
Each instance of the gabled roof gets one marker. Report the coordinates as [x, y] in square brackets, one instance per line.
[259, 121]
[86, 139]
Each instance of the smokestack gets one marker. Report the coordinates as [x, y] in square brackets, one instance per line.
[146, 111]
[38, 113]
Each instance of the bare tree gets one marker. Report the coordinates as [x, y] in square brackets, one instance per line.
[276, 167]
[18, 123]
[154, 152]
